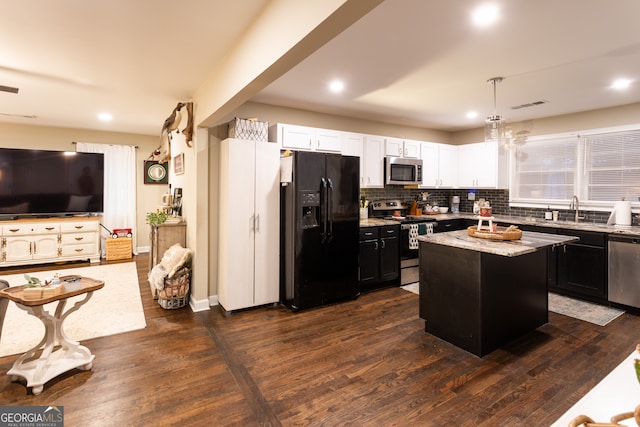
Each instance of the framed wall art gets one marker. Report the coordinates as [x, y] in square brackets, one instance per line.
[178, 164]
[155, 173]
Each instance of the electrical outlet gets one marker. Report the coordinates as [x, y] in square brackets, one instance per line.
[471, 196]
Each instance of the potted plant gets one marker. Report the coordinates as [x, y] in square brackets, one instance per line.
[156, 218]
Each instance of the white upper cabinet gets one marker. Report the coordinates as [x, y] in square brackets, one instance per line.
[448, 165]
[328, 140]
[478, 165]
[305, 138]
[411, 149]
[353, 145]
[373, 162]
[396, 147]
[439, 165]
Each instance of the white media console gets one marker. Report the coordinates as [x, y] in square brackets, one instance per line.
[44, 240]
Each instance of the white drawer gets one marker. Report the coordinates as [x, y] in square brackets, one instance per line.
[78, 238]
[19, 229]
[76, 250]
[75, 226]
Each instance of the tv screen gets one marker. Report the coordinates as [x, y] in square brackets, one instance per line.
[44, 183]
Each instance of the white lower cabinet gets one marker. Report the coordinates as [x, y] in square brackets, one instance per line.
[249, 224]
[50, 240]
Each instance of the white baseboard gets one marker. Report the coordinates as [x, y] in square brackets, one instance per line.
[199, 305]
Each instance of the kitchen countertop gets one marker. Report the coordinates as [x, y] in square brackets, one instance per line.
[529, 243]
[376, 222]
[631, 230]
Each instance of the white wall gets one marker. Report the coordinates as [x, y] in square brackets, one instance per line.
[53, 138]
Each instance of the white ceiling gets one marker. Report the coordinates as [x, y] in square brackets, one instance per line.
[72, 59]
[422, 62]
[412, 62]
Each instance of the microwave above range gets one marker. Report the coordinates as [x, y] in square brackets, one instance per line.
[401, 171]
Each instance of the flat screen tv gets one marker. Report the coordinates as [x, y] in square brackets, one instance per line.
[50, 183]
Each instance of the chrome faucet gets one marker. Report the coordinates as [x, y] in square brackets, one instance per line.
[575, 204]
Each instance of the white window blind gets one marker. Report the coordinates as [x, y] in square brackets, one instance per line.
[545, 170]
[613, 166]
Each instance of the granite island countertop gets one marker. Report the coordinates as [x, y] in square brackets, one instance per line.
[530, 242]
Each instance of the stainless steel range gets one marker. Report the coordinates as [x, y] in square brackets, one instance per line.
[396, 210]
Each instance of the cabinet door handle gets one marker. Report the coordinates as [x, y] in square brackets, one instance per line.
[49, 228]
[376, 246]
[14, 230]
[257, 223]
[79, 238]
[78, 227]
[384, 245]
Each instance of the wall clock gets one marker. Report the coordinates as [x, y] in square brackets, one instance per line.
[155, 173]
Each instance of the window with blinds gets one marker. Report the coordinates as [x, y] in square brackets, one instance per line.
[545, 170]
[599, 168]
[613, 166]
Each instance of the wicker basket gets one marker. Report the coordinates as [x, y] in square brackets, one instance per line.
[176, 290]
[501, 233]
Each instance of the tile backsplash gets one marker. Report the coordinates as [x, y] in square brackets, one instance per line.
[499, 202]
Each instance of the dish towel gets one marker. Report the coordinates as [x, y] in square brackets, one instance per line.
[425, 228]
[413, 236]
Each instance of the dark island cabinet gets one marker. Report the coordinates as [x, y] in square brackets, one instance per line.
[582, 266]
[379, 256]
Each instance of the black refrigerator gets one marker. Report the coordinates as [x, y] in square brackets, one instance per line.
[320, 230]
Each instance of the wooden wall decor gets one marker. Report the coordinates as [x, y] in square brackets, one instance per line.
[163, 153]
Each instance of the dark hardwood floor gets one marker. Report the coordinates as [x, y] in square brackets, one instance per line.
[363, 362]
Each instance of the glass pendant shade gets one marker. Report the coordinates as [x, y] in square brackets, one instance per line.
[494, 125]
[494, 128]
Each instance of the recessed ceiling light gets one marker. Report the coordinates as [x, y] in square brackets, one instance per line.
[485, 15]
[472, 114]
[105, 117]
[336, 86]
[620, 84]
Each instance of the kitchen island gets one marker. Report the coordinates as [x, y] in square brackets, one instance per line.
[480, 294]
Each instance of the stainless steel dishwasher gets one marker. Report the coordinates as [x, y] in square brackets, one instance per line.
[624, 270]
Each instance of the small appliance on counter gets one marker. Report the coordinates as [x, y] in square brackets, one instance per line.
[455, 204]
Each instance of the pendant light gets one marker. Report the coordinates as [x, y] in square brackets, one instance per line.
[494, 125]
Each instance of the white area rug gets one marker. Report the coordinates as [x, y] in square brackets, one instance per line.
[412, 287]
[581, 310]
[114, 309]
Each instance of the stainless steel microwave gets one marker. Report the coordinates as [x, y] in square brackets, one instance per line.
[401, 171]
